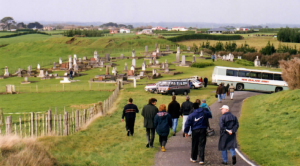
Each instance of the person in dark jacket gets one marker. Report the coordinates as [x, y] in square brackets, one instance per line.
[129, 112]
[174, 111]
[198, 122]
[205, 82]
[228, 127]
[223, 91]
[227, 90]
[162, 124]
[149, 111]
[71, 74]
[219, 92]
[185, 110]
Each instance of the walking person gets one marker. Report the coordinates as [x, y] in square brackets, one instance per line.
[223, 91]
[227, 89]
[191, 84]
[205, 82]
[228, 127]
[174, 111]
[231, 90]
[201, 80]
[213, 57]
[71, 74]
[162, 124]
[129, 112]
[198, 122]
[219, 92]
[149, 111]
[185, 110]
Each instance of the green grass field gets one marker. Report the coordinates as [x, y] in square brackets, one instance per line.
[269, 128]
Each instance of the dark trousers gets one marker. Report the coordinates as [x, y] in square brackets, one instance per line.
[163, 140]
[198, 144]
[205, 84]
[130, 125]
[150, 135]
[213, 60]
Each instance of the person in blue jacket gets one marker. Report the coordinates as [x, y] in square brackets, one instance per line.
[162, 124]
[198, 123]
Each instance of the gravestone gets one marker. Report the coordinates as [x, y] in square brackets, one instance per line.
[166, 61]
[157, 50]
[146, 48]
[76, 68]
[60, 61]
[26, 79]
[132, 68]
[188, 48]
[114, 70]
[183, 60]
[256, 62]
[150, 62]
[75, 56]
[80, 60]
[178, 50]
[194, 59]
[157, 62]
[125, 68]
[224, 58]
[134, 82]
[70, 59]
[95, 54]
[130, 73]
[107, 70]
[167, 48]
[177, 57]
[29, 70]
[74, 61]
[10, 89]
[155, 45]
[142, 73]
[101, 64]
[46, 74]
[154, 61]
[107, 57]
[122, 56]
[66, 74]
[133, 62]
[153, 72]
[70, 65]
[163, 65]
[231, 57]
[133, 53]
[55, 74]
[167, 68]
[54, 65]
[154, 54]
[38, 67]
[84, 58]
[41, 73]
[6, 73]
[19, 72]
[143, 66]
[201, 54]
[66, 80]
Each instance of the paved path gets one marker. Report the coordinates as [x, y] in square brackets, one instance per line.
[178, 149]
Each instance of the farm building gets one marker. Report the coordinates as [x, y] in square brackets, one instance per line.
[145, 31]
[48, 28]
[220, 30]
[114, 31]
[124, 30]
[179, 29]
[242, 29]
[158, 28]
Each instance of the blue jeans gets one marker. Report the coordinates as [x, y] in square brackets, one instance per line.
[174, 124]
[220, 97]
[224, 154]
[223, 95]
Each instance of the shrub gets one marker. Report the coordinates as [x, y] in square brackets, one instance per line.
[202, 64]
[268, 50]
[208, 51]
[205, 36]
[291, 72]
[288, 35]
[244, 62]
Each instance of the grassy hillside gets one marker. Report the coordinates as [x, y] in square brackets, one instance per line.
[269, 128]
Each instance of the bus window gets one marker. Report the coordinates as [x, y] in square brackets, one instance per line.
[277, 77]
[267, 76]
[231, 72]
[255, 75]
[243, 73]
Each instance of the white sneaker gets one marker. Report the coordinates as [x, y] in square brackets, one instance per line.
[201, 162]
[192, 160]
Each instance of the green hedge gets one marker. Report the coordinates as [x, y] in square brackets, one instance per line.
[202, 64]
[244, 62]
[205, 36]
[24, 33]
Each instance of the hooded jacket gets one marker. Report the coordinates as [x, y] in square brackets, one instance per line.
[204, 105]
[163, 123]
[197, 120]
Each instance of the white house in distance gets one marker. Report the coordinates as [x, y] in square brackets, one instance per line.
[220, 30]
[124, 30]
[242, 29]
[158, 28]
[145, 31]
[179, 29]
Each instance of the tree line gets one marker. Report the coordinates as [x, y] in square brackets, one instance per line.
[9, 23]
[288, 35]
[85, 33]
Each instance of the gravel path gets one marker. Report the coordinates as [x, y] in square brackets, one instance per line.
[178, 149]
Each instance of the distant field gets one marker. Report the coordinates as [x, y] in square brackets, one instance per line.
[6, 33]
[24, 38]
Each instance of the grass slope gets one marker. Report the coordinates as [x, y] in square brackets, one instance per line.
[269, 128]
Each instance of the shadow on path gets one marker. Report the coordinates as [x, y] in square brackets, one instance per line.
[178, 149]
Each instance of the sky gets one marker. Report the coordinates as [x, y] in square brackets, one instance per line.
[121, 11]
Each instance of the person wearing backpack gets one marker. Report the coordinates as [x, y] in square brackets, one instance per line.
[197, 121]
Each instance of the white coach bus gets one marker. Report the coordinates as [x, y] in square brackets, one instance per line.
[262, 80]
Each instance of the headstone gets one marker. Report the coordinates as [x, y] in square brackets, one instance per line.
[70, 65]
[74, 61]
[70, 58]
[38, 67]
[150, 62]
[163, 65]
[201, 54]
[167, 68]
[125, 68]
[256, 62]
[41, 73]
[95, 54]
[177, 57]
[26, 79]
[55, 74]
[157, 62]
[66, 80]
[232, 57]
[143, 66]
[154, 61]
[107, 70]
[157, 50]
[54, 65]
[183, 60]
[224, 58]
[46, 74]
[114, 70]
[134, 82]
[75, 68]
[19, 72]
[155, 45]
[84, 58]
[79, 60]
[194, 59]
[188, 48]
[130, 73]
[132, 68]
[107, 57]
[178, 50]
[154, 54]
[122, 56]
[167, 48]
[101, 63]
[66, 74]
[133, 53]
[146, 48]
[134, 62]
[6, 73]
[29, 70]
[75, 56]
[142, 73]
[153, 72]
[166, 61]
[60, 61]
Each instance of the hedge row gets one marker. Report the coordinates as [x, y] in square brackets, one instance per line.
[205, 36]
[202, 64]
[24, 33]
[244, 62]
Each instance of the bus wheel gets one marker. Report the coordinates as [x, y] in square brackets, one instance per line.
[278, 89]
[239, 87]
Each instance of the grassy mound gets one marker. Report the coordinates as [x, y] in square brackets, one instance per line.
[269, 128]
[202, 64]
[244, 62]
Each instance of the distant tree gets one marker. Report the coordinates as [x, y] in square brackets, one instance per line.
[267, 27]
[130, 26]
[268, 50]
[59, 27]
[21, 25]
[8, 21]
[35, 25]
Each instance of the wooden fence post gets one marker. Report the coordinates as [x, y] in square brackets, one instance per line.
[20, 121]
[49, 121]
[77, 120]
[43, 124]
[1, 117]
[32, 123]
[66, 123]
[60, 126]
[84, 116]
[100, 108]
[15, 129]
